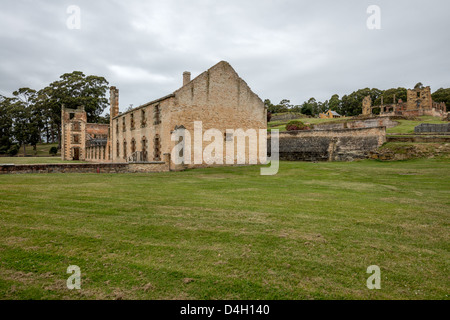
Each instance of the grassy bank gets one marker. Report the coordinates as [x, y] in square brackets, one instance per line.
[407, 126]
[42, 150]
[228, 233]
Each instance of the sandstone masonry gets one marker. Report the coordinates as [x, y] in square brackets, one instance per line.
[218, 98]
[330, 145]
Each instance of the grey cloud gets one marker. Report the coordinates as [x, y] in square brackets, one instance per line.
[283, 49]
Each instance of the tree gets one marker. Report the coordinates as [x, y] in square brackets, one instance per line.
[73, 90]
[311, 107]
[29, 123]
[351, 105]
[6, 124]
[268, 104]
[442, 95]
[283, 106]
[104, 119]
[388, 96]
[335, 103]
[419, 85]
[307, 109]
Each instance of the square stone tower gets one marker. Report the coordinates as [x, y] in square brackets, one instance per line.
[419, 98]
[73, 133]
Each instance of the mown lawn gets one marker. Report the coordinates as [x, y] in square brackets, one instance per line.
[281, 125]
[42, 150]
[407, 126]
[228, 233]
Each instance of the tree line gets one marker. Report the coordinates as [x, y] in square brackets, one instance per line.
[351, 104]
[30, 117]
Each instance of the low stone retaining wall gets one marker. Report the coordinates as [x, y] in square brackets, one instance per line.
[330, 145]
[368, 123]
[432, 128]
[85, 168]
[420, 139]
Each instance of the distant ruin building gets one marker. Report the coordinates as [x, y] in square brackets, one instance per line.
[218, 98]
[419, 103]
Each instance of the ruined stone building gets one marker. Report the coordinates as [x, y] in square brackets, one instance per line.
[419, 103]
[78, 136]
[218, 98]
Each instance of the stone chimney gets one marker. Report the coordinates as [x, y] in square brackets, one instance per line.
[186, 77]
[114, 102]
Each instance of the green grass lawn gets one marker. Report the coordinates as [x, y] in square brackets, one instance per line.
[281, 125]
[34, 160]
[407, 126]
[228, 233]
[42, 150]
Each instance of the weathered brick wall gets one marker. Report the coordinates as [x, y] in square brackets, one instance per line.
[97, 129]
[331, 145]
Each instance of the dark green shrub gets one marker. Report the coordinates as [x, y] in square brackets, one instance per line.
[53, 151]
[296, 125]
[14, 150]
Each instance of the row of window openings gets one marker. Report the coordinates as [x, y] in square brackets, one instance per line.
[101, 154]
[156, 152]
[156, 116]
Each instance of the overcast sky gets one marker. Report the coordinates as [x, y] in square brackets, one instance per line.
[282, 49]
